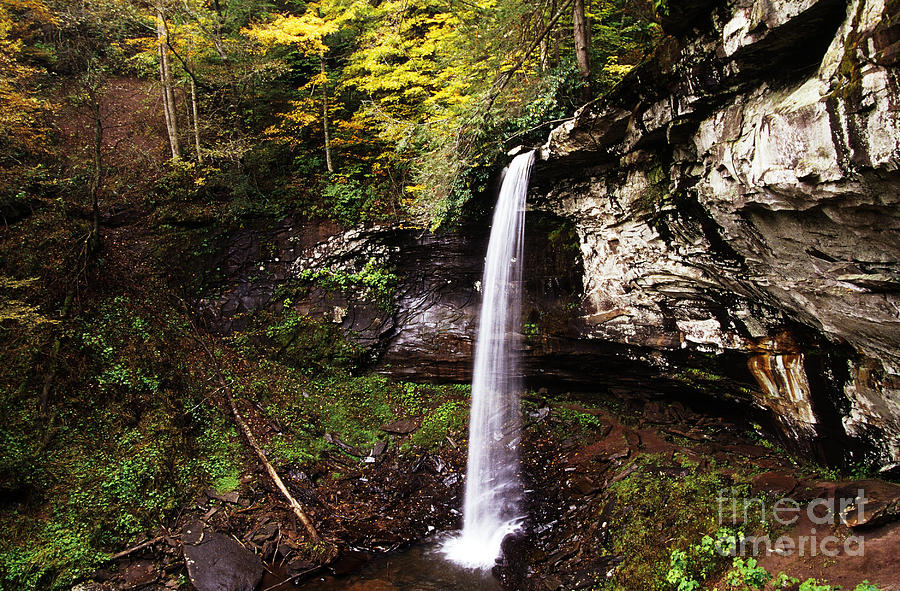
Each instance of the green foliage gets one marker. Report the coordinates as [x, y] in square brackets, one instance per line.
[351, 408]
[449, 417]
[689, 569]
[125, 441]
[411, 399]
[678, 572]
[783, 581]
[103, 485]
[651, 502]
[217, 451]
[747, 575]
[347, 200]
[582, 419]
[56, 554]
[660, 7]
[182, 180]
[375, 281]
[422, 97]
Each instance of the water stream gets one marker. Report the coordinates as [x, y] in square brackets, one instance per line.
[420, 568]
[493, 491]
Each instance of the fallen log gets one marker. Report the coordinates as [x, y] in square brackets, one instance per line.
[251, 440]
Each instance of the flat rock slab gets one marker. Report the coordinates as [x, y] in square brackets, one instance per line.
[400, 427]
[776, 482]
[216, 562]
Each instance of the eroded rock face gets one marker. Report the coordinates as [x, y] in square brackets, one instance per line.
[426, 329]
[743, 183]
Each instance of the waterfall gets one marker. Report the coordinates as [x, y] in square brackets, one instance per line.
[493, 492]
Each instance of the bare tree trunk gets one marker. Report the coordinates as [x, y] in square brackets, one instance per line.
[325, 115]
[545, 40]
[165, 100]
[545, 54]
[165, 74]
[97, 177]
[196, 121]
[583, 45]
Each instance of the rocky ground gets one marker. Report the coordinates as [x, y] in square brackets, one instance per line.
[612, 489]
[616, 497]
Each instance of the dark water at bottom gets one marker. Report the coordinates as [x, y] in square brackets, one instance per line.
[421, 568]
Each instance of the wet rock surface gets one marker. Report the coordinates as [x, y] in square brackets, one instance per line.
[742, 183]
[575, 516]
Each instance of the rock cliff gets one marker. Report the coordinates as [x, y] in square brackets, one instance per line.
[739, 194]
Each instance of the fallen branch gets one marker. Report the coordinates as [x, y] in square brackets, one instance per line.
[291, 578]
[273, 474]
[251, 440]
[140, 546]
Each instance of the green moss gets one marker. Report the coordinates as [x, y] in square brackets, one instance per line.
[312, 344]
[354, 408]
[694, 373]
[226, 484]
[576, 418]
[849, 71]
[654, 509]
[447, 419]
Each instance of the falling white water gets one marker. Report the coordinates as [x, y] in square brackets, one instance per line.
[493, 491]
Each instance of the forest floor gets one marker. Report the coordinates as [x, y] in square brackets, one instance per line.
[613, 491]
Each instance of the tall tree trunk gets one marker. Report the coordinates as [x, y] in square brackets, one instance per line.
[325, 115]
[583, 45]
[97, 176]
[165, 100]
[545, 41]
[165, 74]
[196, 121]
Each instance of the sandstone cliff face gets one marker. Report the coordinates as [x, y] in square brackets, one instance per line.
[740, 194]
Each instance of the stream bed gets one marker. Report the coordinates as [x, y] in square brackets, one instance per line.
[420, 568]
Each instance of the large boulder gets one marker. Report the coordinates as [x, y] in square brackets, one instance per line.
[216, 562]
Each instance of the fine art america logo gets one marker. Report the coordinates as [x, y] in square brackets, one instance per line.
[821, 516]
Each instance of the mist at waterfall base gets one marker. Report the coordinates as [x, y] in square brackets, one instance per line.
[491, 509]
